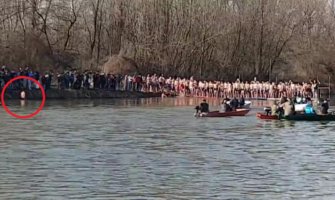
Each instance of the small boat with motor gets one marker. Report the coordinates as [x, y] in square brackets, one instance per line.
[298, 116]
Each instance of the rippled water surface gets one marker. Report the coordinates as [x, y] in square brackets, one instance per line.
[156, 149]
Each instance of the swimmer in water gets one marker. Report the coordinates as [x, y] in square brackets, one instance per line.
[23, 95]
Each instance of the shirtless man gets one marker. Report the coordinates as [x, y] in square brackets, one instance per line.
[176, 85]
[210, 89]
[201, 89]
[247, 90]
[216, 89]
[161, 81]
[242, 90]
[280, 90]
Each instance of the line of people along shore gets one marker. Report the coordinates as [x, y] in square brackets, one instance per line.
[158, 83]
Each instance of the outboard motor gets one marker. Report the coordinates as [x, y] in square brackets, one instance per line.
[197, 112]
[267, 110]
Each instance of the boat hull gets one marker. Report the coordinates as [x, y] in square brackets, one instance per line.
[266, 117]
[237, 113]
[310, 118]
[298, 117]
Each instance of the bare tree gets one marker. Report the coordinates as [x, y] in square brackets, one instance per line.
[219, 39]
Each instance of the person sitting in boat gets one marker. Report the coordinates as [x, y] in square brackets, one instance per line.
[304, 100]
[204, 107]
[287, 107]
[225, 107]
[242, 102]
[227, 99]
[309, 110]
[299, 100]
[295, 99]
[234, 104]
[283, 100]
[274, 108]
[324, 107]
[280, 107]
[267, 111]
[292, 102]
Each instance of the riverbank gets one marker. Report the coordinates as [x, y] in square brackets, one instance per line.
[80, 94]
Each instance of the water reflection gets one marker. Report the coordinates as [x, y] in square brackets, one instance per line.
[292, 124]
[276, 124]
[22, 103]
[150, 102]
[177, 102]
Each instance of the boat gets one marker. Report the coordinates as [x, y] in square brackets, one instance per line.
[238, 112]
[298, 117]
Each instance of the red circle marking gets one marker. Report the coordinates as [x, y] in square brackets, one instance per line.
[24, 116]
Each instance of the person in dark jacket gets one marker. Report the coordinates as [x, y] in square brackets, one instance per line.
[242, 102]
[204, 107]
[324, 107]
[234, 104]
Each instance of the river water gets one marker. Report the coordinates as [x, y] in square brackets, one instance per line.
[156, 149]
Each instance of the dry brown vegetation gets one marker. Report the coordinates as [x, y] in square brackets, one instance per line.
[217, 39]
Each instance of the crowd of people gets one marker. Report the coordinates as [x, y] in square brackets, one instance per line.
[6, 75]
[250, 90]
[158, 83]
